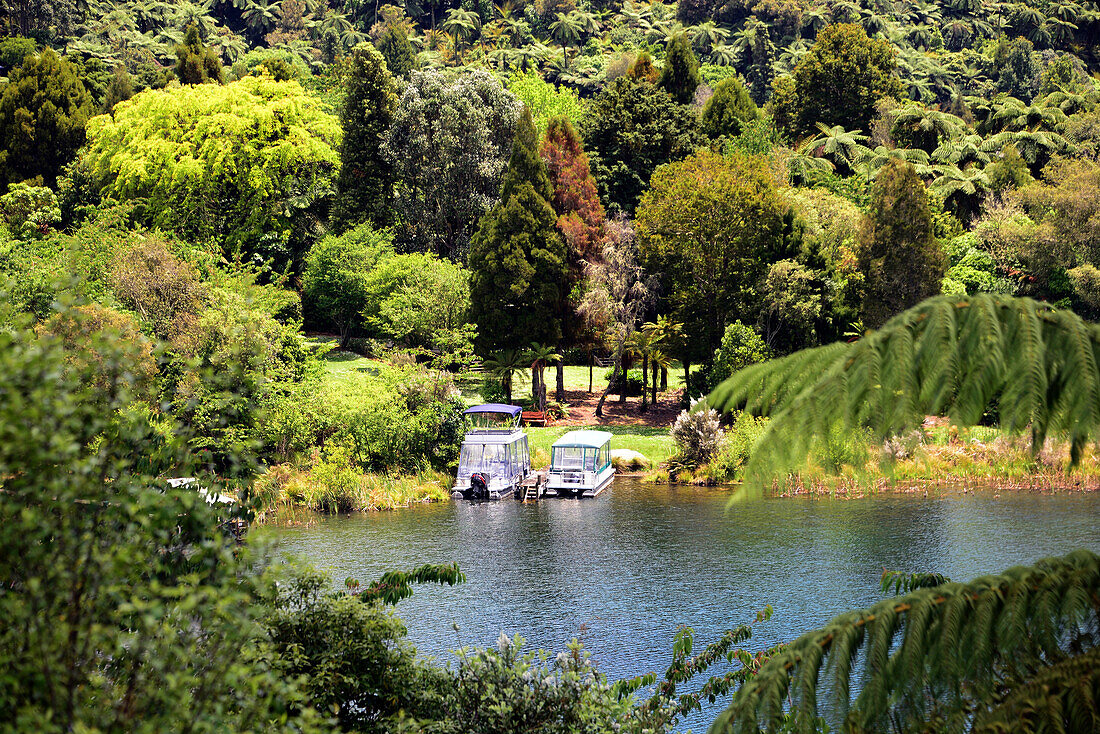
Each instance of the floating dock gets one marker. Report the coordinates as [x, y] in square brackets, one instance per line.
[533, 486]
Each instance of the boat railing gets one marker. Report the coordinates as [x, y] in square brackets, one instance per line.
[481, 431]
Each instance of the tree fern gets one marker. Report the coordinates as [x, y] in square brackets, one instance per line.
[949, 355]
[1001, 652]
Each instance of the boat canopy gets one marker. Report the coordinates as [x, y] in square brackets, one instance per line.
[511, 410]
[583, 439]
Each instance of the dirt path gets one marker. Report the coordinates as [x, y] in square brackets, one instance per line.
[582, 410]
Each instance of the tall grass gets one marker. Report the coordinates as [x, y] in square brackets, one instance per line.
[332, 487]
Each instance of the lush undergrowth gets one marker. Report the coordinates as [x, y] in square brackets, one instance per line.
[330, 487]
[937, 454]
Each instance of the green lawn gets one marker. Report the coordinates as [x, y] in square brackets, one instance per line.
[654, 443]
[345, 367]
[576, 378]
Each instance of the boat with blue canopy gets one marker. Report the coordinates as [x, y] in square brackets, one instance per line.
[495, 460]
[580, 464]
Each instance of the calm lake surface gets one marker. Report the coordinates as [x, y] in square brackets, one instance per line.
[624, 570]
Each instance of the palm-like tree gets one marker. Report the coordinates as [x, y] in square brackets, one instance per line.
[660, 361]
[961, 189]
[540, 356]
[724, 54]
[197, 14]
[462, 25]
[928, 126]
[1014, 115]
[1061, 32]
[839, 146]
[567, 30]
[504, 366]
[1035, 146]
[814, 19]
[260, 15]
[961, 151]
[641, 345]
[873, 162]
[705, 36]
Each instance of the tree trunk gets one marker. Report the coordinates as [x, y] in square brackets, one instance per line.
[687, 381]
[591, 361]
[664, 371]
[542, 391]
[560, 396]
[508, 389]
[645, 384]
[664, 379]
[624, 368]
[616, 368]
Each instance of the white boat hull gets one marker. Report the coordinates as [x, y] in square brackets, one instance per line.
[580, 484]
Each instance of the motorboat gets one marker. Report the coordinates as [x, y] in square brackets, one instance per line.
[495, 460]
[580, 464]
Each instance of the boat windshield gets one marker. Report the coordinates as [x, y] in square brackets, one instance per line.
[577, 458]
[497, 460]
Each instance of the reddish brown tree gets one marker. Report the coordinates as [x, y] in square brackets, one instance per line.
[580, 217]
[576, 201]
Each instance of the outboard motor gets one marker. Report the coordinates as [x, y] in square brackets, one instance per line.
[479, 486]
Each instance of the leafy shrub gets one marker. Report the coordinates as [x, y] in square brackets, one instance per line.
[741, 347]
[698, 435]
[30, 211]
[633, 381]
[337, 272]
[740, 439]
[353, 657]
[336, 485]
[152, 282]
[492, 690]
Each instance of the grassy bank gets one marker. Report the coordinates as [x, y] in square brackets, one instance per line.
[938, 455]
[654, 443]
[324, 488]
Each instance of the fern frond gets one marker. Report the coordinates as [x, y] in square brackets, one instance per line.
[949, 355]
[987, 652]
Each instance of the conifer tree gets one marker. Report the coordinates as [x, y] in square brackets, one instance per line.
[364, 189]
[517, 258]
[643, 70]
[576, 199]
[195, 63]
[899, 257]
[397, 50]
[728, 110]
[680, 75]
[44, 109]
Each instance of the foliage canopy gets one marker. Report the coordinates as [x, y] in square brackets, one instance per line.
[249, 165]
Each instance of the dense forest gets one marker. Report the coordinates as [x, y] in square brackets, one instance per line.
[189, 189]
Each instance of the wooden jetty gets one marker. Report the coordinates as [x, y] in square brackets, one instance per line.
[534, 486]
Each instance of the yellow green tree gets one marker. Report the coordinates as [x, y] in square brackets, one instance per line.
[249, 165]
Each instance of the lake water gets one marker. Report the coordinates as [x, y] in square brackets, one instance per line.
[624, 570]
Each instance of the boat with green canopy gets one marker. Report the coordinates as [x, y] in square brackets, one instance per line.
[580, 464]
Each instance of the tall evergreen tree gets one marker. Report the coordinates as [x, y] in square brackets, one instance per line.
[44, 109]
[195, 63]
[901, 261]
[728, 109]
[680, 75]
[632, 128]
[517, 258]
[575, 199]
[397, 50]
[364, 189]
